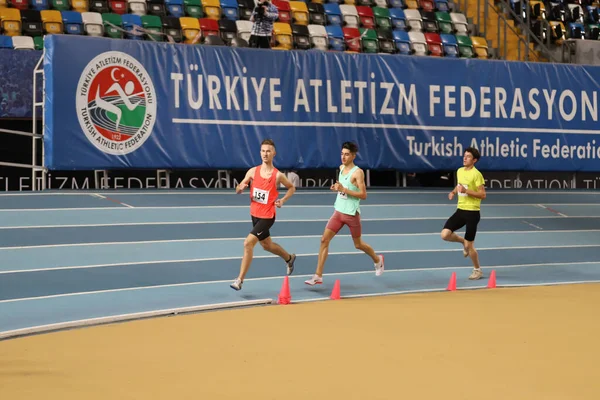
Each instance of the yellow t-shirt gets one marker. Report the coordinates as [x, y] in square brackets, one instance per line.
[471, 180]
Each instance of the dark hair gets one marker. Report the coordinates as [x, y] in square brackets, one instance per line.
[350, 146]
[269, 142]
[474, 152]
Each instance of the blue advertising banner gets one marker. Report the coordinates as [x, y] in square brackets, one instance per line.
[113, 104]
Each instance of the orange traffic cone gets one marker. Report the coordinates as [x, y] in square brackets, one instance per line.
[452, 282]
[335, 293]
[492, 281]
[284, 296]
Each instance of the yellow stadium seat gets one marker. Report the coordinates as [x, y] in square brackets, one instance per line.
[480, 46]
[80, 5]
[299, 12]
[190, 28]
[212, 9]
[282, 34]
[52, 21]
[10, 18]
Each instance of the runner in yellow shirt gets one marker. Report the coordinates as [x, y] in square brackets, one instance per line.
[471, 191]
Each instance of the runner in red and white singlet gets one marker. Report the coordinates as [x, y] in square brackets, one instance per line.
[264, 179]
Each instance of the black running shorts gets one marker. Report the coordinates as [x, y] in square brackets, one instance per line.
[261, 227]
[461, 218]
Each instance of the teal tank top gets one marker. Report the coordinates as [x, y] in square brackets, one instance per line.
[344, 203]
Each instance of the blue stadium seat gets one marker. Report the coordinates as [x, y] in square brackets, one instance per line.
[6, 42]
[336, 37]
[130, 22]
[174, 8]
[333, 14]
[398, 18]
[450, 45]
[72, 22]
[402, 41]
[230, 9]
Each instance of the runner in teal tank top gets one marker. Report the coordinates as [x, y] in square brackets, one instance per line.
[351, 189]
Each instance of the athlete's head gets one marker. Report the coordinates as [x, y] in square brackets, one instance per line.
[267, 150]
[470, 156]
[349, 150]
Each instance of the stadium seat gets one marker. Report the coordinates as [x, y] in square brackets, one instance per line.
[157, 7]
[465, 46]
[364, 3]
[212, 9]
[381, 3]
[450, 45]
[172, 27]
[444, 22]
[80, 6]
[434, 44]
[245, 7]
[352, 39]
[175, 8]
[39, 5]
[136, 7]
[131, 25]
[282, 36]
[382, 18]
[459, 21]
[397, 4]
[316, 14]
[113, 24]
[537, 10]
[577, 14]
[332, 1]
[318, 37]
[402, 42]
[284, 10]
[418, 43]
[6, 42]
[559, 32]
[411, 4]
[398, 18]
[299, 12]
[118, 6]
[244, 29]
[429, 22]
[3, 4]
[336, 37]
[593, 31]
[481, 47]
[192, 8]
[386, 41]
[230, 9]
[19, 5]
[92, 24]
[10, 21]
[369, 41]
[350, 2]
[427, 5]
[23, 43]
[72, 22]
[39, 42]
[190, 27]
[99, 6]
[152, 23]
[414, 21]
[366, 17]
[333, 14]
[350, 16]
[592, 12]
[60, 5]
[214, 40]
[52, 22]
[301, 37]
[209, 27]
[228, 30]
[238, 42]
[32, 23]
[442, 5]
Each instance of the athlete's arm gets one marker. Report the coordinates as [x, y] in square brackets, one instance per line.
[480, 193]
[244, 183]
[359, 175]
[291, 189]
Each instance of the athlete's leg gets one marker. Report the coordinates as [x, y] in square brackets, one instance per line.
[454, 223]
[272, 247]
[324, 250]
[470, 233]
[249, 244]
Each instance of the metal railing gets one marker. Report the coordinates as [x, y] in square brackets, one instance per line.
[521, 29]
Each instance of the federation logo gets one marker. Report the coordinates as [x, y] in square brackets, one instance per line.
[116, 103]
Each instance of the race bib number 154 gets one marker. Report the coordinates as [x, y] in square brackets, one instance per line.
[260, 196]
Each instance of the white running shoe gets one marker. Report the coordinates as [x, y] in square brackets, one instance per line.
[237, 284]
[379, 267]
[315, 280]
